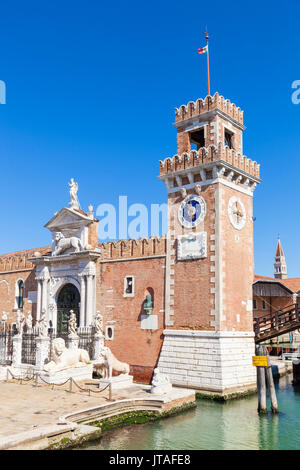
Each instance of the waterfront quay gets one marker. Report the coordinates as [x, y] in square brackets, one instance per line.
[57, 418]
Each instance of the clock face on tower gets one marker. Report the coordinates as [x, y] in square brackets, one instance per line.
[191, 211]
[236, 212]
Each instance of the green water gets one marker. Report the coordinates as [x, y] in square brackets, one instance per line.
[214, 426]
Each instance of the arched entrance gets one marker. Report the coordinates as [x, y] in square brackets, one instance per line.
[68, 299]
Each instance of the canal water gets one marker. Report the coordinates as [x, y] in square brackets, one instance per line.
[216, 426]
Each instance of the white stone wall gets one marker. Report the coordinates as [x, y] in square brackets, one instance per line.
[208, 360]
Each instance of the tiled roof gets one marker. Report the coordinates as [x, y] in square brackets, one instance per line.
[292, 283]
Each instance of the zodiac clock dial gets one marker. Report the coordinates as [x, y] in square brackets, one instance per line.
[191, 211]
[236, 213]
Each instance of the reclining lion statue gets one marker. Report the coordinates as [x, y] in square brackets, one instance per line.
[63, 358]
[110, 363]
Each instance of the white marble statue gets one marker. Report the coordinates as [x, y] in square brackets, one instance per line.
[98, 324]
[74, 204]
[29, 322]
[160, 383]
[72, 324]
[110, 363]
[63, 358]
[20, 322]
[63, 243]
[4, 316]
[43, 325]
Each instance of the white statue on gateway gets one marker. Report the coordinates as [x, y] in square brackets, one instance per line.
[63, 243]
[74, 204]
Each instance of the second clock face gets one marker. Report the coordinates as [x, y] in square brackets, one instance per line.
[191, 211]
[236, 213]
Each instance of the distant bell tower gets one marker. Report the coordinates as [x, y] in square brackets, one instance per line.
[280, 268]
[209, 337]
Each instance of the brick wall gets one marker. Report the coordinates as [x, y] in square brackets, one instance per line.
[140, 348]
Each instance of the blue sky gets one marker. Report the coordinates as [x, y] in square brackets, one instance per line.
[91, 92]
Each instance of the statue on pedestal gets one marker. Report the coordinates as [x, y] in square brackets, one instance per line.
[74, 204]
[29, 322]
[160, 383]
[43, 325]
[72, 324]
[98, 324]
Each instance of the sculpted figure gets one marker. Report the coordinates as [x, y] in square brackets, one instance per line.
[74, 204]
[110, 363]
[160, 383]
[63, 244]
[29, 322]
[148, 305]
[20, 322]
[43, 325]
[98, 324]
[72, 324]
[64, 358]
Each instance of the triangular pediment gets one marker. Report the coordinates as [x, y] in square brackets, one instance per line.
[68, 219]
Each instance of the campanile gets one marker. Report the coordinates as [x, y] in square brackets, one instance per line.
[208, 336]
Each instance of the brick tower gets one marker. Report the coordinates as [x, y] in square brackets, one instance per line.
[280, 268]
[208, 336]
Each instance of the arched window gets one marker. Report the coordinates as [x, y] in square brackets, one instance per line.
[20, 294]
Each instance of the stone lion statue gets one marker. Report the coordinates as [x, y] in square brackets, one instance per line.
[63, 358]
[63, 244]
[110, 363]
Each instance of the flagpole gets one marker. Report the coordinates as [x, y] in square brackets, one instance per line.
[208, 77]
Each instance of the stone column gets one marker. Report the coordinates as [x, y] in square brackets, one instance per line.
[45, 296]
[42, 352]
[17, 351]
[89, 299]
[82, 302]
[39, 298]
[98, 345]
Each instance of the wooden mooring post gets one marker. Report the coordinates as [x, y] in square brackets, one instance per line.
[264, 376]
[270, 382]
[261, 384]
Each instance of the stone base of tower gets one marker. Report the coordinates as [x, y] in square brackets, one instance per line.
[214, 362]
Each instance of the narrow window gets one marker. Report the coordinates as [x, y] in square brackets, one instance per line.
[129, 286]
[264, 306]
[197, 139]
[20, 294]
[254, 304]
[228, 138]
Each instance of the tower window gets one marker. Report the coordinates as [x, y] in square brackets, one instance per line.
[228, 138]
[197, 138]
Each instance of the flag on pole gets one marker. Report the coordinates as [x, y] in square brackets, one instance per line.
[203, 50]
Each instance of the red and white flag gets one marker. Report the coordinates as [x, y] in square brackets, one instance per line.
[202, 50]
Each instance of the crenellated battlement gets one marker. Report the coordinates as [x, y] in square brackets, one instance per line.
[210, 103]
[19, 260]
[203, 156]
[133, 248]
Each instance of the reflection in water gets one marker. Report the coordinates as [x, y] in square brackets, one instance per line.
[212, 425]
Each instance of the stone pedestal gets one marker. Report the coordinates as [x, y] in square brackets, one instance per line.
[42, 352]
[73, 342]
[98, 345]
[17, 350]
[58, 377]
[118, 382]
